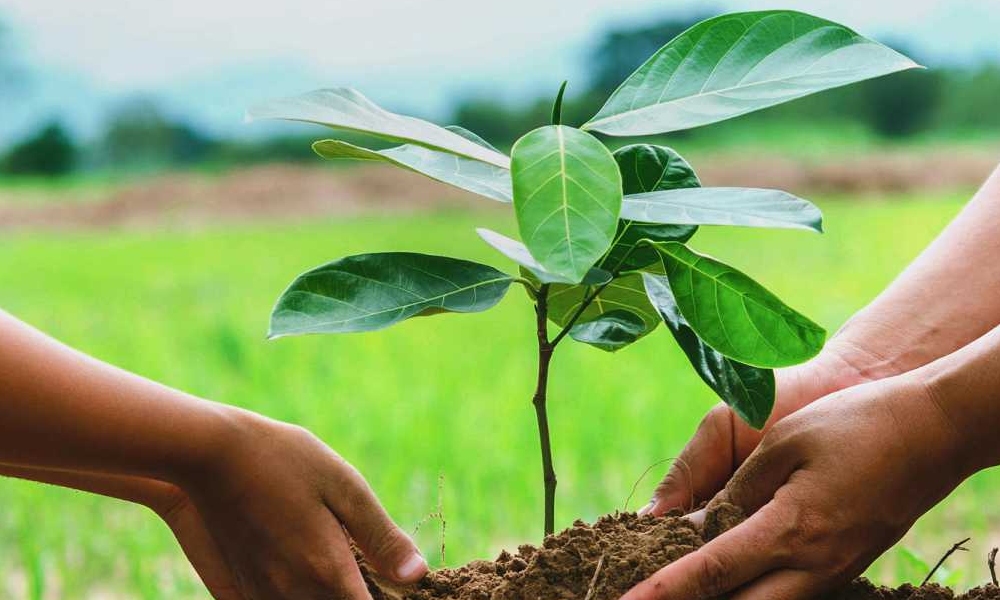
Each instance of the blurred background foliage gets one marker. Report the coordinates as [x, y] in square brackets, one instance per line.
[944, 102]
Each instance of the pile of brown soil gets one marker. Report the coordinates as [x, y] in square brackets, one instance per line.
[604, 560]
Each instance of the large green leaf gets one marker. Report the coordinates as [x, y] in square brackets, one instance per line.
[622, 294]
[648, 168]
[738, 63]
[747, 207]
[346, 109]
[749, 391]
[567, 196]
[373, 291]
[518, 252]
[734, 314]
[470, 175]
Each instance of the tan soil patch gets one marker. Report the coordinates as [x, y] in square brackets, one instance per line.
[281, 193]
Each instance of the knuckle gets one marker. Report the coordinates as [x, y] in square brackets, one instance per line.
[717, 423]
[712, 576]
[385, 544]
[320, 569]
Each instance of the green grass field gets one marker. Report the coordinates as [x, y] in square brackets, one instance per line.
[443, 396]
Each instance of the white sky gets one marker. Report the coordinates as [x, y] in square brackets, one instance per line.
[209, 56]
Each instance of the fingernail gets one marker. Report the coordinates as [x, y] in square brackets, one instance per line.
[645, 509]
[414, 567]
[697, 517]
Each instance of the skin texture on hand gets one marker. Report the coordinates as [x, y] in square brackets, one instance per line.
[925, 314]
[283, 508]
[828, 489]
[723, 441]
[263, 510]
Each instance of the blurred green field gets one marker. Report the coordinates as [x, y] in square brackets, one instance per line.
[444, 396]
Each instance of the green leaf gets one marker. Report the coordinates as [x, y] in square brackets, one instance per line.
[557, 105]
[373, 291]
[648, 168]
[346, 109]
[738, 63]
[734, 314]
[471, 136]
[628, 254]
[612, 331]
[567, 196]
[747, 207]
[622, 294]
[749, 391]
[470, 175]
[518, 252]
[651, 168]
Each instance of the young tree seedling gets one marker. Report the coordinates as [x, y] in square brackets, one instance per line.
[603, 250]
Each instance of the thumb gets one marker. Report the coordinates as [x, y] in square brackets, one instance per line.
[390, 550]
[702, 468]
[766, 470]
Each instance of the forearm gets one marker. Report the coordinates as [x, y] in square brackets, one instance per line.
[60, 409]
[965, 385]
[948, 297]
[152, 493]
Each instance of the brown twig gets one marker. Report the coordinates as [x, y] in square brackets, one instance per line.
[592, 589]
[991, 562]
[439, 515]
[635, 486]
[959, 546]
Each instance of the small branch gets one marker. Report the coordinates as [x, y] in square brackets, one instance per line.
[991, 562]
[959, 546]
[593, 580]
[579, 313]
[530, 287]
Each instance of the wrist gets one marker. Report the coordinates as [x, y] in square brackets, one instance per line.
[966, 398]
[221, 433]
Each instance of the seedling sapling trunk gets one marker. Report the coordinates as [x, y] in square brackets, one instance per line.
[604, 251]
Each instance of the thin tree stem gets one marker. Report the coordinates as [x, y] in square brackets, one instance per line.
[545, 349]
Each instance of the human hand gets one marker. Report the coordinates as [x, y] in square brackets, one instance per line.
[828, 489]
[267, 519]
[723, 441]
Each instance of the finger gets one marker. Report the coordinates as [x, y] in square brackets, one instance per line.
[202, 551]
[768, 468]
[386, 546]
[328, 571]
[785, 584]
[738, 556]
[703, 467]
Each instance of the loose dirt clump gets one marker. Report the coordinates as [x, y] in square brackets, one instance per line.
[604, 560]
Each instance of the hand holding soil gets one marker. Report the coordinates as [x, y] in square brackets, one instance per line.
[283, 509]
[262, 509]
[828, 489]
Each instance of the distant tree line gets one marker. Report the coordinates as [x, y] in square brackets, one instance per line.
[138, 136]
[943, 100]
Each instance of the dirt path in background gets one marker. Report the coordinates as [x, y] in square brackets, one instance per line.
[277, 193]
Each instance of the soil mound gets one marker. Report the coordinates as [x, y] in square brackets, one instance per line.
[604, 560]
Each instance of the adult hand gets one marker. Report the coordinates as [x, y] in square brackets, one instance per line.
[723, 441]
[269, 519]
[828, 489]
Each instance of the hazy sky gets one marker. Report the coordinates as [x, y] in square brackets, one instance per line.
[211, 57]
